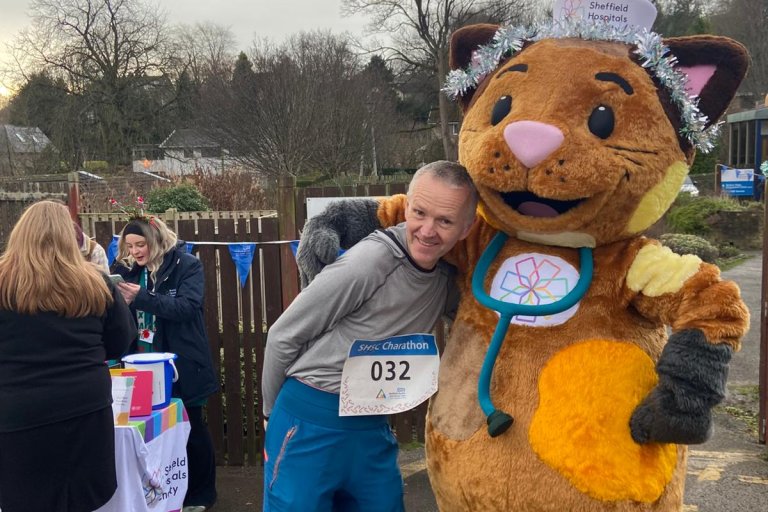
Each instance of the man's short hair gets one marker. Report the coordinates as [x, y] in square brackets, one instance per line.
[452, 173]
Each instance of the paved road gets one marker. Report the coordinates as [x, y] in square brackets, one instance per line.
[730, 473]
[727, 474]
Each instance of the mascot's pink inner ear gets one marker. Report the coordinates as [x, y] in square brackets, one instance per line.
[698, 76]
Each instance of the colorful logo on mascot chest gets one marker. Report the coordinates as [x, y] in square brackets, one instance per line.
[535, 279]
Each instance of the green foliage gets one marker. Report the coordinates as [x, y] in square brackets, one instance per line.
[95, 165]
[729, 251]
[704, 163]
[690, 244]
[689, 215]
[743, 404]
[185, 198]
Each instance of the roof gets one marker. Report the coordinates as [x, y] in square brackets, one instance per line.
[748, 115]
[25, 139]
[188, 138]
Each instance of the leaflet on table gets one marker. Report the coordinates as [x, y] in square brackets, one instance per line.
[141, 404]
[122, 391]
[389, 376]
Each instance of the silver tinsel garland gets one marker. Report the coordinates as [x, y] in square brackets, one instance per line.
[649, 47]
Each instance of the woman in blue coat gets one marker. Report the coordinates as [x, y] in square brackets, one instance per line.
[164, 286]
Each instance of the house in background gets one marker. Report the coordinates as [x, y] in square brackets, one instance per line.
[24, 150]
[182, 152]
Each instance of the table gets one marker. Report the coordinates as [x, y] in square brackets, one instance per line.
[151, 461]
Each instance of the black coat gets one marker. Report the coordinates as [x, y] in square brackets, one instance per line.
[176, 301]
[52, 368]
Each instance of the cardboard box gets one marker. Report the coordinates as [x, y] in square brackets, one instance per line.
[141, 402]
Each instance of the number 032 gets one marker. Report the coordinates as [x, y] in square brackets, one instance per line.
[388, 370]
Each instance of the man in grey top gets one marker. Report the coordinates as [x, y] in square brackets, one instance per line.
[392, 283]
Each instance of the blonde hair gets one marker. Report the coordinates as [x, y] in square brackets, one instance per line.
[159, 237]
[42, 268]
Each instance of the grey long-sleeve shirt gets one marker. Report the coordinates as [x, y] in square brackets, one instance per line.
[373, 291]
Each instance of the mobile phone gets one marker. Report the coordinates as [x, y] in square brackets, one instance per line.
[116, 278]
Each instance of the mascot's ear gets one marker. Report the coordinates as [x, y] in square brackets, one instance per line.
[715, 67]
[465, 41]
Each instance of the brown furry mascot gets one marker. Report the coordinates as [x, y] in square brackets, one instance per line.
[578, 138]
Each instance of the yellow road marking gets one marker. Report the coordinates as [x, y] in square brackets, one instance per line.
[413, 467]
[708, 466]
[710, 474]
[753, 480]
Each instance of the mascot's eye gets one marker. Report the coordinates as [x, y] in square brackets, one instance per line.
[501, 109]
[601, 121]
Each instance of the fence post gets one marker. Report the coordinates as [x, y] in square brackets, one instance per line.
[763, 368]
[286, 211]
[73, 195]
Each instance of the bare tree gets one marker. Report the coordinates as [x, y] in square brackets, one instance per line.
[112, 52]
[420, 32]
[682, 17]
[296, 108]
[206, 50]
[746, 21]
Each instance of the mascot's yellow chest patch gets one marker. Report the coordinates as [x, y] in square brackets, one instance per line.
[657, 270]
[534, 279]
[589, 444]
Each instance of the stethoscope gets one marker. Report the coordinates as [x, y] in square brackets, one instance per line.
[499, 421]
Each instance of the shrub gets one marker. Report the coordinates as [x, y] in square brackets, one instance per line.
[728, 250]
[231, 190]
[95, 165]
[184, 197]
[689, 215]
[690, 244]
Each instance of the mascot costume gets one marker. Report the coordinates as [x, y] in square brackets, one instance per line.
[560, 388]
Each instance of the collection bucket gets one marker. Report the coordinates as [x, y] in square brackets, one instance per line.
[163, 370]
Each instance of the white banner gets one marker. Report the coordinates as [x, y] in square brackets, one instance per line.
[619, 13]
[151, 477]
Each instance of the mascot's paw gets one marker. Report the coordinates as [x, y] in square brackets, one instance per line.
[340, 226]
[657, 420]
[692, 374]
[318, 247]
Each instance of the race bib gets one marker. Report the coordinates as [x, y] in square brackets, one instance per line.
[389, 376]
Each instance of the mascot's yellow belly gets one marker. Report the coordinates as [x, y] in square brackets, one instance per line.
[581, 426]
[570, 447]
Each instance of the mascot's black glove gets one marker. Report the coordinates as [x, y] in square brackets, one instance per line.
[692, 374]
[341, 225]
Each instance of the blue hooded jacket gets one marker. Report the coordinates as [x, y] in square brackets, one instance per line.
[176, 301]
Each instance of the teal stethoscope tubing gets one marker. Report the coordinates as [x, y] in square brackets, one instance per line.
[507, 310]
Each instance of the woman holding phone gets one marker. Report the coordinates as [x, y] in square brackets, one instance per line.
[164, 287]
[60, 319]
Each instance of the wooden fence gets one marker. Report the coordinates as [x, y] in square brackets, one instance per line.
[18, 192]
[238, 318]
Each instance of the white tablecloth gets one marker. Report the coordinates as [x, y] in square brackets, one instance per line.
[150, 476]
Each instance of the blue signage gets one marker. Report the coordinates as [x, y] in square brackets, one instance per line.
[737, 182]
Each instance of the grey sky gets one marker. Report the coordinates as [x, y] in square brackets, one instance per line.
[274, 19]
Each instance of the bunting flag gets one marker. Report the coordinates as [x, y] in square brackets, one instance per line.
[242, 253]
[242, 256]
[112, 250]
[295, 247]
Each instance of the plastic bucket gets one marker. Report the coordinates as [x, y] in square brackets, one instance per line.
[163, 370]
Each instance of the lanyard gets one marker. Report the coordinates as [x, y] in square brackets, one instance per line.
[499, 421]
